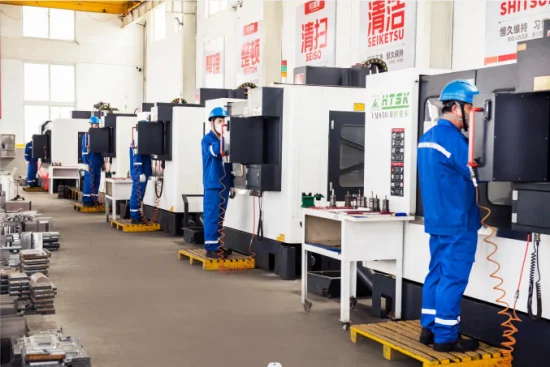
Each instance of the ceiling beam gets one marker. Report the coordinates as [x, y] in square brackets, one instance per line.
[106, 7]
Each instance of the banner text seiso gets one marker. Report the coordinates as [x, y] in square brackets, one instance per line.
[388, 32]
[316, 33]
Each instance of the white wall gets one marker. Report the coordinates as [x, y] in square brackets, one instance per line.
[225, 23]
[469, 34]
[105, 55]
[164, 76]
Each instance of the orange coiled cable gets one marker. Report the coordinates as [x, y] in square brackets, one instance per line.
[509, 328]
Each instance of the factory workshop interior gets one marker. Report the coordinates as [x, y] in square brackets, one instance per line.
[274, 183]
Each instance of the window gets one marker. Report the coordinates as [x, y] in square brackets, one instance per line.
[215, 6]
[159, 23]
[352, 156]
[48, 23]
[49, 92]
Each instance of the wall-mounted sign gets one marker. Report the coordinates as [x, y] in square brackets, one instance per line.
[214, 63]
[388, 32]
[316, 33]
[508, 22]
[249, 59]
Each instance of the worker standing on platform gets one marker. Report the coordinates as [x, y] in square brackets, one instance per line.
[141, 170]
[218, 184]
[32, 165]
[92, 176]
[451, 217]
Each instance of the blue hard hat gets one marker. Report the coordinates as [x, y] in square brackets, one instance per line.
[460, 91]
[94, 120]
[217, 112]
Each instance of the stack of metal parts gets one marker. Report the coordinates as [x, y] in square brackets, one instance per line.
[50, 240]
[4, 280]
[35, 261]
[50, 349]
[18, 285]
[42, 294]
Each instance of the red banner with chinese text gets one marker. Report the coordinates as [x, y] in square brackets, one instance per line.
[316, 33]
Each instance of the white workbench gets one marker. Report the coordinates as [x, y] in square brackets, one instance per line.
[63, 173]
[116, 189]
[351, 238]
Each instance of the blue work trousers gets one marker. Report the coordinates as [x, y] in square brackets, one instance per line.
[452, 257]
[92, 180]
[212, 228]
[31, 172]
[138, 191]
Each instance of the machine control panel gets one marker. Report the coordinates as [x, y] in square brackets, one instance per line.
[397, 179]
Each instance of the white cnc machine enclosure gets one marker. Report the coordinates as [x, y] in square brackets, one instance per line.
[183, 174]
[64, 140]
[121, 162]
[416, 248]
[304, 162]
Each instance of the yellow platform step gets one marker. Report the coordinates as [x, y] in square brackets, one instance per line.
[400, 339]
[34, 189]
[126, 226]
[235, 261]
[88, 209]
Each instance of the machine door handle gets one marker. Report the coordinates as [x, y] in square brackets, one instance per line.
[472, 161]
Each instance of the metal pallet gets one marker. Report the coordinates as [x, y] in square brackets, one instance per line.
[235, 261]
[34, 189]
[400, 340]
[88, 209]
[126, 226]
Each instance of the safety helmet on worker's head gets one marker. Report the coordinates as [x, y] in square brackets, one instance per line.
[218, 112]
[94, 120]
[460, 91]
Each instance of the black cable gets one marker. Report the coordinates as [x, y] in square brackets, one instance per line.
[260, 233]
[534, 285]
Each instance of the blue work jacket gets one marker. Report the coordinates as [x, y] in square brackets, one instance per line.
[140, 164]
[212, 164]
[28, 151]
[448, 193]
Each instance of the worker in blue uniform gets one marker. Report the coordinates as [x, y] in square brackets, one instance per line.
[218, 184]
[32, 165]
[141, 170]
[451, 218]
[92, 176]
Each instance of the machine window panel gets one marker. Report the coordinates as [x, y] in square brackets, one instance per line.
[352, 156]
[353, 179]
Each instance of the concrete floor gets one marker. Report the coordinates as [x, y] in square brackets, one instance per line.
[135, 304]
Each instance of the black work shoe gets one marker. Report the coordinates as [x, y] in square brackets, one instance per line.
[137, 221]
[426, 337]
[226, 252]
[213, 254]
[459, 345]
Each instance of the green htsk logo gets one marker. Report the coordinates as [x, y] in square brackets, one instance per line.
[391, 101]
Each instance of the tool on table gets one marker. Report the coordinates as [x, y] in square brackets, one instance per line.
[332, 199]
[385, 205]
[347, 200]
[371, 202]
